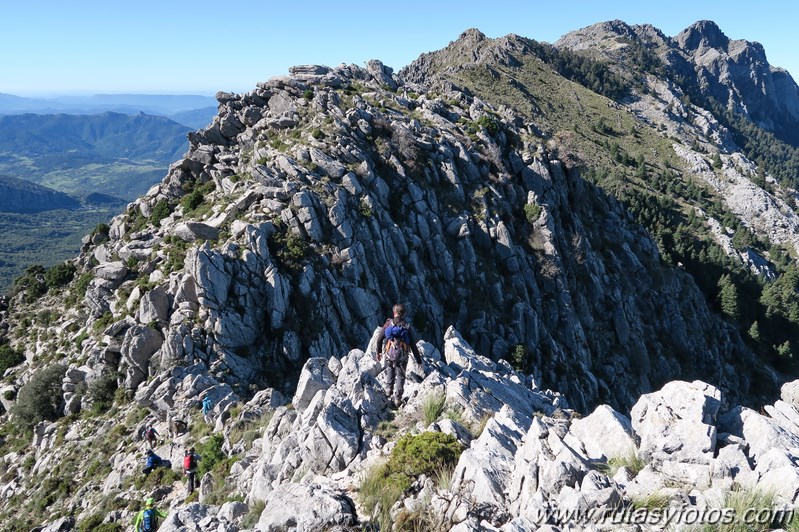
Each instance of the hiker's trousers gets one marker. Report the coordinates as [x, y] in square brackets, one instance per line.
[395, 377]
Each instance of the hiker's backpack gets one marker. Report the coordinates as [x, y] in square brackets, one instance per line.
[189, 462]
[150, 433]
[148, 520]
[398, 340]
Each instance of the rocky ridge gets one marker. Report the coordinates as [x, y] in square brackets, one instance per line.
[732, 72]
[534, 465]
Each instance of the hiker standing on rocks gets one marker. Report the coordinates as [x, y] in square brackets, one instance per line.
[190, 460]
[150, 435]
[396, 333]
[147, 519]
[207, 406]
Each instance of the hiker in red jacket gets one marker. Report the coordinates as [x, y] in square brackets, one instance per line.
[190, 460]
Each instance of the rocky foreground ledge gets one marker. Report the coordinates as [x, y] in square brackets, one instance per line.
[525, 461]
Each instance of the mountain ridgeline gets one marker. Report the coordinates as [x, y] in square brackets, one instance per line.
[572, 212]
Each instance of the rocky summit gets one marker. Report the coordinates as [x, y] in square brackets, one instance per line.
[574, 243]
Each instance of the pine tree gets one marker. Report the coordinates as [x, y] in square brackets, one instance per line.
[728, 297]
[754, 332]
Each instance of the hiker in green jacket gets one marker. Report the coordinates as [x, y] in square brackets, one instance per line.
[147, 519]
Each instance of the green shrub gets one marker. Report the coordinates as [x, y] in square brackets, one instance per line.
[365, 210]
[160, 476]
[59, 275]
[308, 94]
[423, 453]
[288, 248]
[253, 515]
[489, 123]
[94, 523]
[378, 493]
[414, 455]
[211, 453]
[83, 283]
[32, 282]
[630, 461]
[9, 358]
[39, 398]
[160, 211]
[101, 229]
[80, 338]
[101, 392]
[532, 211]
[102, 322]
[192, 200]
[519, 357]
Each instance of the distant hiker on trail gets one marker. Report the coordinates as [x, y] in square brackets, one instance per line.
[150, 435]
[147, 519]
[177, 427]
[190, 460]
[207, 406]
[152, 460]
[399, 341]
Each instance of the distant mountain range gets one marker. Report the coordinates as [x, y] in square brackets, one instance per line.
[190, 110]
[115, 153]
[61, 175]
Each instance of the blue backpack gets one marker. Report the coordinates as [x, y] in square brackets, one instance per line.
[148, 520]
[398, 340]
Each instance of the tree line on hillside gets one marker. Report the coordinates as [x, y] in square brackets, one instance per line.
[765, 312]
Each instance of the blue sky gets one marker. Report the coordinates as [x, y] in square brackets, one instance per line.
[200, 47]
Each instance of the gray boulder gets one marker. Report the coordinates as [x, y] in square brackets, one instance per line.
[315, 376]
[192, 231]
[789, 392]
[604, 434]
[760, 433]
[154, 307]
[138, 346]
[306, 507]
[678, 422]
